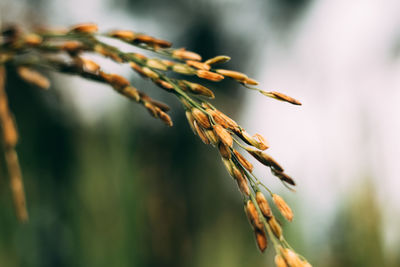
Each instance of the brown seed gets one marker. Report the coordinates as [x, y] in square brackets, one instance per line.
[250, 81]
[228, 165]
[165, 118]
[199, 89]
[72, 46]
[151, 109]
[161, 105]
[84, 28]
[122, 34]
[89, 65]
[264, 158]
[33, 39]
[252, 214]
[231, 123]
[144, 39]
[263, 204]
[131, 92]
[275, 227]
[205, 74]
[261, 240]
[137, 68]
[118, 81]
[183, 54]
[232, 74]
[217, 60]
[198, 65]
[201, 118]
[162, 43]
[283, 207]
[281, 97]
[279, 261]
[244, 162]
[33, 77]
[164, 84]
[200, 133]
[284, 177]
[241, 182]
[223, 135]
[224, 150]
[168, 63]
[261, 142]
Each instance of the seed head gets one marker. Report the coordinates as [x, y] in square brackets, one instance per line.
[183, 69]
[165, 118]
[149, 73]
[131, 92]
[263, 204]
[205, 74]
[260, 142]
[223, 135]
[283, 207]
[118, 81]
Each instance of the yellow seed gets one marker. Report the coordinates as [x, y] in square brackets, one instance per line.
[279, 261]
[283, 207]
[232, 74]
[149, 73]
[33, 39]
[217, 60]
[183, 69]
[281, 97]
[242, 182]
[33, 77]
[250, 81]
[156, 64]
[224, 151]
[162, 43]
[211, 137]
[131, 92]
[261, 240]
[199, 89]
[198, 65]
[89, 65]
[260, 142]
[275, 227]
[223, 135]
[137, 68]
[200, 133]
[144, 39]
[264, 158]
[252, 214]
[183, 54]
[201, 118]
[122, 34]
[118, 81]
[164, 84]
[244, 162]
[151, 109]
[292, 259]
[263, 204]
[72, 46]
[84, 28]
[165, 118]
[231, 123]
[209, 75]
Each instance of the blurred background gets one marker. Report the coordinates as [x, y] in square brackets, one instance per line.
[107, 185]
